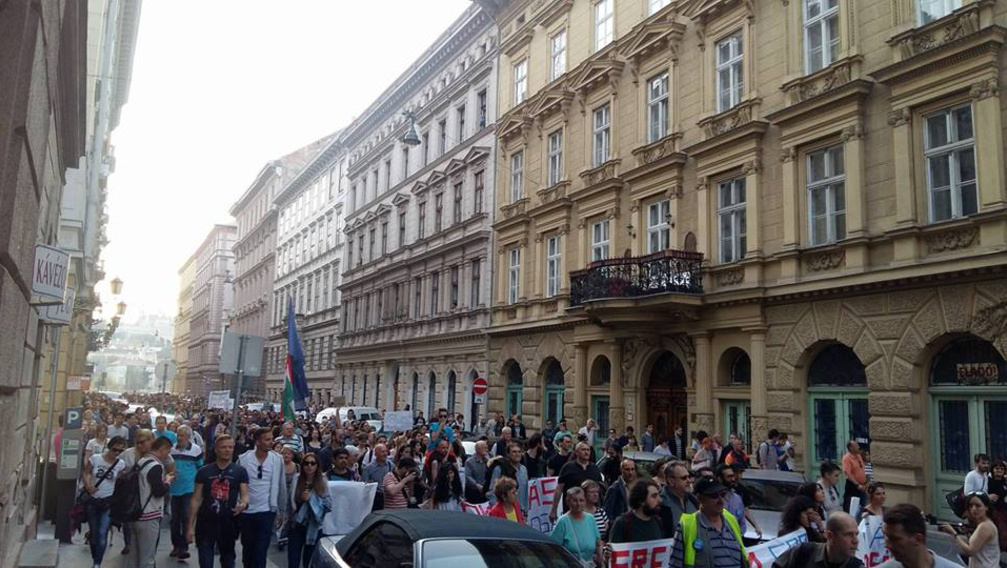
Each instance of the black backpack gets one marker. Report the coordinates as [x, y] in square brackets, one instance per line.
[124, 504]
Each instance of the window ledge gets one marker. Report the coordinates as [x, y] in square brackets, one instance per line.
[820, 82]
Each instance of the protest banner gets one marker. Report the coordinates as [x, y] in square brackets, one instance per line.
[763, 555]
[540, 494]
[218, 399]
[351, 502]
[481, 509]
[398, 421]
[871, 549]
[647, 554]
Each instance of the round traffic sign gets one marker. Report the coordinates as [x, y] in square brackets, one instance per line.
[480, 386]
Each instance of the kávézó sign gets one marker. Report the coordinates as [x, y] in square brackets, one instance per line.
[49, 273]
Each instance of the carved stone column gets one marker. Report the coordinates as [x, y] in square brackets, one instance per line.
[617, 391]
[580, 411]
[989, 143]
[704, 384]
[757, 355]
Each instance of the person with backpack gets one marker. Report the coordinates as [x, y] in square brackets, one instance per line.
[153, 486]
[188, 457]
[769, 457]
[122, 504]
[220, 494]
[100, 472]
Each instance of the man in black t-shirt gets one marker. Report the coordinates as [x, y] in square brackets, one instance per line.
[574, 473]
[557, 461]
[220, 495]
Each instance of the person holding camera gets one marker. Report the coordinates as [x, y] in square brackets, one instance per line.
[400, 485]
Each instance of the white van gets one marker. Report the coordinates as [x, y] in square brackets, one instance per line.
[369, 413]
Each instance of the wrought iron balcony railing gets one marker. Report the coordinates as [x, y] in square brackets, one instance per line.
[669, 271]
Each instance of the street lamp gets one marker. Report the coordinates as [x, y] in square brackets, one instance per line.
[116, 285]
[120, 309]
[411, 137]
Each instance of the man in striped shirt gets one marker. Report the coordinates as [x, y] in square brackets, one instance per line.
[290, 439]
[710, 537]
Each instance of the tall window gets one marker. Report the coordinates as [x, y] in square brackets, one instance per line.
[557, 55]
[602, 135]
[475, 283]
[360, 250]
[821, 33]
[552, 269]
[656, 5]
[460, 112]
[516, 176]
[435, 293]
[514, 276]
[604, 24]
[520, 81]
[481, 101]
[402, 229]
[477, 195]
[405, 162]
[370, 244]
[658, 230]
[456, 210]
[730, 77]
[422, 222]
[384, 237]
[397, 300]
[426, 148]
[951, 163]
[657, 108]
[417, 297]
[931, 10]
[438, 212]
[826, 196]
[442, 132]
[555, 157]
[454, 287]
[387, 178]
[600, 238]
[731, 216]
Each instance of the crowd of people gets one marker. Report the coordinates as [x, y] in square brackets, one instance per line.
[267, 485]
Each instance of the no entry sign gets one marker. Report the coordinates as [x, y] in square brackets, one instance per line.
[480, 386]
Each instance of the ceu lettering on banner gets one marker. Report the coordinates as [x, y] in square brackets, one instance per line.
[647, 554]
[481, 509]
[540, 494]
[871, 549]
[763, 555]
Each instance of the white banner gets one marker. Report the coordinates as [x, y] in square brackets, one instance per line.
[871, 549]
[351, 502]
[763, 555]
[540, 494]
[398, 421]
[647, 554]
[481, 509]
[218, 399]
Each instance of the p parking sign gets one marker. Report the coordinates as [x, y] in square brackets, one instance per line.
[73, 418]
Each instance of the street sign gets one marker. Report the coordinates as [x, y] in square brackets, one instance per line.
[251, 354]
[71, 450]
[78, 383]
[479, 399]
[60, 313]
[480, 386]
[73, 418]
[50, 272]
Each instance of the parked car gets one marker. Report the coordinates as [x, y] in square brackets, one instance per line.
[369, 413]
[440, 539]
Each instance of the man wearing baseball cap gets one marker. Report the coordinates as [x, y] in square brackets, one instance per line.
[710, 537]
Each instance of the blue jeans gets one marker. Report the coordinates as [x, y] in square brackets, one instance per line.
[256, 533]
[180, 521]
[219, 532]
[98, 521]
[298, 552]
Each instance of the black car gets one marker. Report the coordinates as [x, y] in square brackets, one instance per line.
[440, 539]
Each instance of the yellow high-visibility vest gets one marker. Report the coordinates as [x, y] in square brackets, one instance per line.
[690, 528]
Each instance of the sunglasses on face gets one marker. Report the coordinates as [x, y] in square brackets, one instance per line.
[118, 450]
[310, 463]
[260, 471]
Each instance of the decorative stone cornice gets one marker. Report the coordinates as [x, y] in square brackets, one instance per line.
[657, 150]
[823, 81]
[989, 87]
[961, 23]
[652, 38]
[728, 120]
[594, 176]
[824, 260]
[953, 239]
[751, 167]
[511, 210]
[853, 132]
[788, 155]
[899, 117]
[553, 192]
[731, 277]
[597, 73]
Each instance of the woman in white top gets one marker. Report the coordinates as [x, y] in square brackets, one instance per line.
[447, 493]
[96, 446]
[983, 547]
[100, 471]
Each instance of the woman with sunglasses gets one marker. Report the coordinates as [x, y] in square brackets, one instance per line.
[309, 502]
[100, 472]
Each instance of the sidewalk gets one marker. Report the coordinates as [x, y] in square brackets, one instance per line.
[78, 554]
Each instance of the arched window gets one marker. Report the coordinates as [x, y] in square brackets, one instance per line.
[968, 361]
[431, 395]
[690, 242]
[601, 371]
[515, 385]
[837, 389]
[452, 387]
[740, 372]
[554, 388]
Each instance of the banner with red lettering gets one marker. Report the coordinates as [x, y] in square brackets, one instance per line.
[482, 509]
[763, 555]
[647, 554]
[871, 549]
[540, 497]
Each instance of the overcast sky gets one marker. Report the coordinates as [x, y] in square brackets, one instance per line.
[221, 87]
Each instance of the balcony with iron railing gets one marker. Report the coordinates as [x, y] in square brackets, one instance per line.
[665, 272]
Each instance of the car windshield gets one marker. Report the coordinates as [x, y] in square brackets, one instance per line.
[483, 553]
[769, 495]
[368, 416]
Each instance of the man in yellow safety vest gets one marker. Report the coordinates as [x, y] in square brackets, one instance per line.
[710, 537]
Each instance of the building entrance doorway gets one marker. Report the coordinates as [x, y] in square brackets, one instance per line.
[666, 398]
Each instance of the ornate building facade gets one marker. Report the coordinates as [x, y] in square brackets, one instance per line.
[309, 246]
[212, 302]
[183, 324]
[416, 273]
[737, 216]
